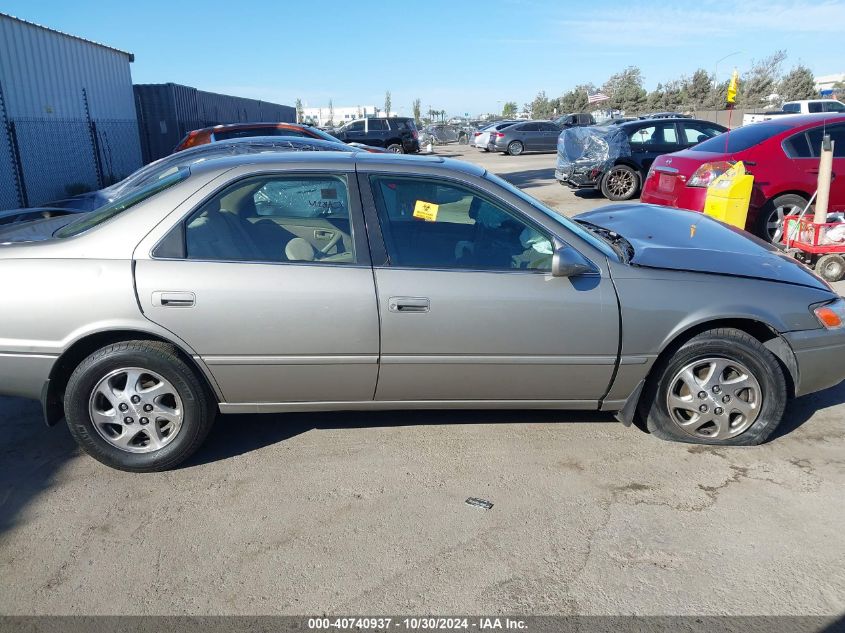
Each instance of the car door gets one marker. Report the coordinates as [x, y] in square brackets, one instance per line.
[469, 310]
[354, 132]
[549, 133]
[269, 282]
[377, 132]
[652, 139]
[529, 134]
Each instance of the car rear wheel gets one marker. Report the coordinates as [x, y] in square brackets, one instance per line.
[721, 387]
[396, 148]
[515, 148]
[831, 267]
[137, 406]
[770, 223]
[620, 183]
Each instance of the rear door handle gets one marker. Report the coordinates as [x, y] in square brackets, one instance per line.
[408, 304]
[170, 299]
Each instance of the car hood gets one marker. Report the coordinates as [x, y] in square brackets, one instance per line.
[673, 239]
[35, 230]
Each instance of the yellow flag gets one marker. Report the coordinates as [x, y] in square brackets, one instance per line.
[732, 87]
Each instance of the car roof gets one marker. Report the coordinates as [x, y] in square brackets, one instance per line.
[353, 157]
[794, 121]
[250, 126]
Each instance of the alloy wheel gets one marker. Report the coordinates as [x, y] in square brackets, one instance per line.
[621, 183]
[714, 398]
[774, 223]
[136, 410]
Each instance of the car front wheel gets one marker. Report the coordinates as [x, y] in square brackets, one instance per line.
[721, 387]
[137, 406]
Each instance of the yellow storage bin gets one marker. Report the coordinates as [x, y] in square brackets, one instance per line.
[728, 196]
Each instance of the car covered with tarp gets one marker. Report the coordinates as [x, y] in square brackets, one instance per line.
[616, 158]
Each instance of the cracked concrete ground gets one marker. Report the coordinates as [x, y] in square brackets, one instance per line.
[364, 513]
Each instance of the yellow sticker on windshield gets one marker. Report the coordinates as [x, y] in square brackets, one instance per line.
[426, 210]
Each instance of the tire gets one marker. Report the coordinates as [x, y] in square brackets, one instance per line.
[770, 221]
[620, 183]
[396, 148]
[515, 148]
[734, 349]
[831, 267]
[181, 410]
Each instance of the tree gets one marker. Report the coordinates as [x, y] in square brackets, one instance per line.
[387, 103]
[625, 90]
[541, 107]
[799, 83]
[509, 109]
[417, 110]
[300, 113]
[761, 81]
[576, 100]
[331, 113]
[697, 89]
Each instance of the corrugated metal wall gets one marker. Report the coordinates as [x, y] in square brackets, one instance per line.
[167, 112]
[69, 106]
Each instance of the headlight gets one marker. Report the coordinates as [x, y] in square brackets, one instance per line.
[831, 315]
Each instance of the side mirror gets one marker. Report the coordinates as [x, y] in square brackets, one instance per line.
[567, 262]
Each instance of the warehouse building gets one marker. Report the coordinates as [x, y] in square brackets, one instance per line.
[67, 114]
[167, 112]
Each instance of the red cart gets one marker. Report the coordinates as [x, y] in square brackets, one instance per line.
[804, 240]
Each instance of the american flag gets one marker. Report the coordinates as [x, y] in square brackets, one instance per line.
[597, 97]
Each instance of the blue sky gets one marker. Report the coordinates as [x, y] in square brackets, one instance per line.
[457, 55]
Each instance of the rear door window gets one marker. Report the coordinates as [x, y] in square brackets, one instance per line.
[528, 127]
[698, 132]
[377, 125]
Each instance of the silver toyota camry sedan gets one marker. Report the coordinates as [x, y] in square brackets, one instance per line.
[347, 280]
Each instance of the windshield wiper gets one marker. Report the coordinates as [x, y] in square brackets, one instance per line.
[616, 241]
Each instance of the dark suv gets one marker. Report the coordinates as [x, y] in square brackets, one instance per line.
[396, 134]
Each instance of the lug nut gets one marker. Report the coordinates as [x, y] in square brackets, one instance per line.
[726, 399]
[717, 389]
[136, 399]
[702, 394]
[148, 407]
[128, 420]
[144, 421]
[123, 406]
[703, 408]
[718, 410]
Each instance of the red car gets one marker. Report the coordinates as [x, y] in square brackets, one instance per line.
[240, 130]
[783, 155]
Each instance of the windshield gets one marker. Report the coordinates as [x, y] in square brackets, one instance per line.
[741, 138]
[581, 232]
[118, 206]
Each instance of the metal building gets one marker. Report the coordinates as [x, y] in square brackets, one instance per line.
[167, 112]
[67, 114]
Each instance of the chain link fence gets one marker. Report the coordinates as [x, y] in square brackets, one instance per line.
[43, 160]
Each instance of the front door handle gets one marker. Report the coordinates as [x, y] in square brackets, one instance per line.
[170, 299]
[408, 304]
